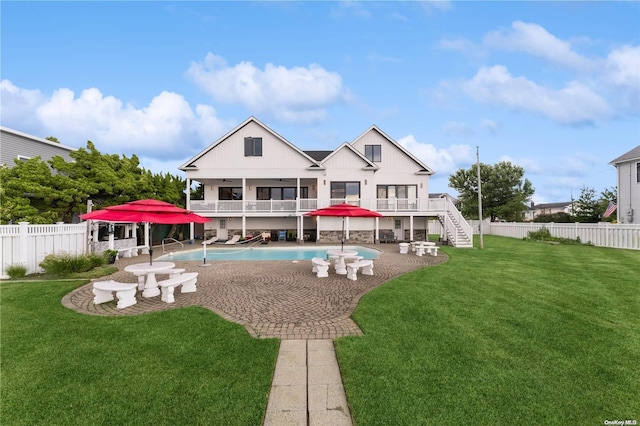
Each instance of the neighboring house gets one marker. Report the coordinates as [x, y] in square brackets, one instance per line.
[255, 181]
[536, 210]
[21, 146]
[628, 167]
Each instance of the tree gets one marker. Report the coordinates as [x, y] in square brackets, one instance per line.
[52, 139]
[586, 208]
[38, 192]
[505, 193]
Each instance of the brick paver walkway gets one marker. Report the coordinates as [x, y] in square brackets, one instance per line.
[282, 299]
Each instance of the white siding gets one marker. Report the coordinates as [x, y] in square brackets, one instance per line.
[396, 168]
[628, 193]
[227, 159]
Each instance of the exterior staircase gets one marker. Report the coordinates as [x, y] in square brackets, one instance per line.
[458, 231]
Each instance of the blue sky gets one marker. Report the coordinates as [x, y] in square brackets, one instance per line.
[551, 86]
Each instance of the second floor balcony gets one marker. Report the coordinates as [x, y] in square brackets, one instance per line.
[304, 205]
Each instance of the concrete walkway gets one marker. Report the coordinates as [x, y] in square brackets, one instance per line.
[307, 386]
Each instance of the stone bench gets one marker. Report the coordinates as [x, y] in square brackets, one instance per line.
[187, 280]
[320, 267]
[432, 250]
[125, 292]
[352, 269]
[404, 248]
[130, 251]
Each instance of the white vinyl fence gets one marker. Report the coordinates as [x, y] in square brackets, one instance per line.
[28, 245]
[603, 234]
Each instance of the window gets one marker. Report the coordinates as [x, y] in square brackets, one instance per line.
[227, 193]
[638, 172]
[23, 158]
[253, 147]
[278, 193]
[223, 223]
[398, 191]
[401, 196]
[345, 190]
[373, 153]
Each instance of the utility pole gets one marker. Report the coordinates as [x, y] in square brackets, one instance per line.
[479, 196]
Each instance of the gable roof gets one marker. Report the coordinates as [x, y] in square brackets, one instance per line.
[189, 164]
[368, 164]
[423, 167]
[634, 154]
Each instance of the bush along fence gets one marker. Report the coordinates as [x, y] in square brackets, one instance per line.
[603, 234]
[27, 245]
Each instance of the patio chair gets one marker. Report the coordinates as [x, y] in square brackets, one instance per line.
[210, 240]
[233, 240]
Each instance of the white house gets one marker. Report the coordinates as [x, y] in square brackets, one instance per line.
[628, 167]
[536, 210]
[256, 181]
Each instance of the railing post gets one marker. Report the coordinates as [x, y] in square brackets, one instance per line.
[24, 249]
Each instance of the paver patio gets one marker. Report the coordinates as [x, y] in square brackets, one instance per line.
[281, 299]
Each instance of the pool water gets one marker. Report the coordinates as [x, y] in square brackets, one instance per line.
[255, 253]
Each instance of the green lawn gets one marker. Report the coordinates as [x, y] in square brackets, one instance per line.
[518, 333]
[184, 366]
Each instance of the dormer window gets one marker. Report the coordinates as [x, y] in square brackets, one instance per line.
[252, 147]
[373, 153]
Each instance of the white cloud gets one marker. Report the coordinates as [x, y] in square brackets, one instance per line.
[529, 165]
[537, 41]
[457, 128]
[18, 105]
[439, 5]
[574, 104]
[351, 8]
[492, 126]
[444, 161]
[166, 127]
[622, 74]
[296, 94]
[462, 45]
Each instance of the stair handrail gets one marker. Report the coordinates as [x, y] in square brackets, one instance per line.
[462, 222]
[170, 239]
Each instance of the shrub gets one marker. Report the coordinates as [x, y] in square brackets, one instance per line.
[16, 271]
[543, 234]
[96, 260]
[66, 265]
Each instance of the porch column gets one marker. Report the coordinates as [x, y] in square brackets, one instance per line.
[376, 236]
[191, 225]
[301, 229]
[244, 198]
[147, 240]
[318, 229]
[244, 226]
[411, 228]
[346, 229]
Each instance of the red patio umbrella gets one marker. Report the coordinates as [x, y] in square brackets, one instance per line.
[150, 211]
[344, 210]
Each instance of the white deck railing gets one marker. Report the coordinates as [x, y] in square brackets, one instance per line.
[382, 205]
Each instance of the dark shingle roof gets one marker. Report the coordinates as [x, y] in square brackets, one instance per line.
[318, 155]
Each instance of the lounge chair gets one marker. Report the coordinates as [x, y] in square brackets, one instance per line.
[210, 240]
[233, 240]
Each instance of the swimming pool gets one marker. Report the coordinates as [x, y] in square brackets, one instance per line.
[263, 253]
